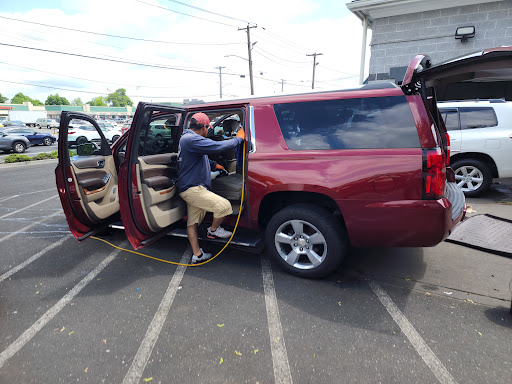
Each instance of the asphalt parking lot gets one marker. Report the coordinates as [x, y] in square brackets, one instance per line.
[88, 312]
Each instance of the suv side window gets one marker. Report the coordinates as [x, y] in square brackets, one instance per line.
[451, 120]
[376, 122]
[159, 137]
[478, 117]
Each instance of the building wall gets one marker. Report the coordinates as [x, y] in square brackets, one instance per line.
[397, 39]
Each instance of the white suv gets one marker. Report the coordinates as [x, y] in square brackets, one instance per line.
[481, 142]
[46, 123]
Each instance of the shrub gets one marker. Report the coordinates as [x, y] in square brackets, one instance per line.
[54, 154]
[15, 158]
[42, 156]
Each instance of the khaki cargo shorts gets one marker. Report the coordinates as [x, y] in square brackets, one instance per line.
[200, 200]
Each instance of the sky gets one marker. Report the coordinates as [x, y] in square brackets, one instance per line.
[169, 50]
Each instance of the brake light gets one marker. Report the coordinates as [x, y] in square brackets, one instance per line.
[447, 149]
[434, 174]
[71, 132]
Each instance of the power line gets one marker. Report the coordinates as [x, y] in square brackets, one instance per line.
[117, 61]
[186, 14]
[213, 13]
[96, 93]
[92, 81]
[280, 58]
[116, 36]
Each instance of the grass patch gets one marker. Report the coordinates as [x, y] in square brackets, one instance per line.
[16, 158]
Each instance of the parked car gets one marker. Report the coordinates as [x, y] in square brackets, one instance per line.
[34, 137]
[47, 123]
[13, 143]
[14, 123]
[366, 167]
[79, 134]
[125, 127]
[481, 142]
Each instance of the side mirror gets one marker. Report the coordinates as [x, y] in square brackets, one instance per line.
[86, 149]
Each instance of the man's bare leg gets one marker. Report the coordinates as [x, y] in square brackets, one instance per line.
[192, 239]
[217, 221]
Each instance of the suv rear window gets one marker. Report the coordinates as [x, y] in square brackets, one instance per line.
[378, 122]
[471, 118]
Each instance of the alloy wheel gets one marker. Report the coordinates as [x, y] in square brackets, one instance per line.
[300, 244]
[469, 178]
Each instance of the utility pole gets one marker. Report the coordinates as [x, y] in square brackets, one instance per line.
[314, 66]
[220, 79]
[249, 48]
[282, 85]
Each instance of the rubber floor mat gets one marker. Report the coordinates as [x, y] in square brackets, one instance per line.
[486, 232]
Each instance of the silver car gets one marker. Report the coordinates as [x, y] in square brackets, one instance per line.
[14, 143]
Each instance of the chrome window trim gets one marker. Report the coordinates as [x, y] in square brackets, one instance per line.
[253, 128]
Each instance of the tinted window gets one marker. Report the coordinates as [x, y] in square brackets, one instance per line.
[451, 120]
[471, 118]
[379, 122]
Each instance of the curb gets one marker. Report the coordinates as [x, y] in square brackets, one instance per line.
[27, 163]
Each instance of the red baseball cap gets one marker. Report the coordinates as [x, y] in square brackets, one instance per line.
[202, 119]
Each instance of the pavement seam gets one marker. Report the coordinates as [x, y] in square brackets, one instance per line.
[28, 227]
[428, 356]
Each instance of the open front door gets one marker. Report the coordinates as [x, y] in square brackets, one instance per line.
[86, 179]
[148, 193]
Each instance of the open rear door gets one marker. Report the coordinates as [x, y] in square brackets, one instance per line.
[86, 179]
[149, 199]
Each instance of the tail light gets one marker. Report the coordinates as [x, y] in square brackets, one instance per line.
[71, 132]
[434, 174]
[447, 149]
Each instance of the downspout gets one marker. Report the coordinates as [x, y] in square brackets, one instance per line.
[363, 50]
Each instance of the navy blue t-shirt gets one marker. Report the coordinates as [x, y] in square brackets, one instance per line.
[193, 163]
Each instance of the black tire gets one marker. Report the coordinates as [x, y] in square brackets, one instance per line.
[311, 222]
[81, 140]
[47, 141]
[114, 138]
[473, 176]
[19, 147]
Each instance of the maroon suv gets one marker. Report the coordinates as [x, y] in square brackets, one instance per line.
[366, 167]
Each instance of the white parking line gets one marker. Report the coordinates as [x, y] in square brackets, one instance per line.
[24, 194]
[428, 356]
[12, 349]
[33, 258]
[27, 207]
[27, 227]
[282, 374]
[146, 348]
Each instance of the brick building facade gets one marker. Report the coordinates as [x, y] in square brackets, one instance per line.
[402, 29]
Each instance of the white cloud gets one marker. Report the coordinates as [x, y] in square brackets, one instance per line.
[288, 36]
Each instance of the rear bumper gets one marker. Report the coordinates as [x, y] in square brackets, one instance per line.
[405, 223]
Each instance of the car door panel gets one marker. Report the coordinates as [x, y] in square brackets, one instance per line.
[87, 182]
[149, 201]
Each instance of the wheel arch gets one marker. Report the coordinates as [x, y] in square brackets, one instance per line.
[275, 201]
[485, 158]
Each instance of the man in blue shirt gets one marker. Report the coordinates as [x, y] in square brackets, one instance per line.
[194, 181]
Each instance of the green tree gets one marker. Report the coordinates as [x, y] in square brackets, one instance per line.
[36, 102]
[119, 98]
[99, 101]
[77, 102]
[56, 100]
[20, 98]
[3, 99]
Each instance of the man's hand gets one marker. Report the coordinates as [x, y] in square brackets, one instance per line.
[219, 167]
[241, 133]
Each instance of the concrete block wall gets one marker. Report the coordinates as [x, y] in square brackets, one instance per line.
[397, 39]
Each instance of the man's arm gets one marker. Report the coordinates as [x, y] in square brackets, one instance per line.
[203, 145]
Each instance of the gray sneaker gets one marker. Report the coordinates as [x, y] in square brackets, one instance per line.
[199, 259]
[220, 233]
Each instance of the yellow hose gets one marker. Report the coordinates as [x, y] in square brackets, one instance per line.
[204, 262]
